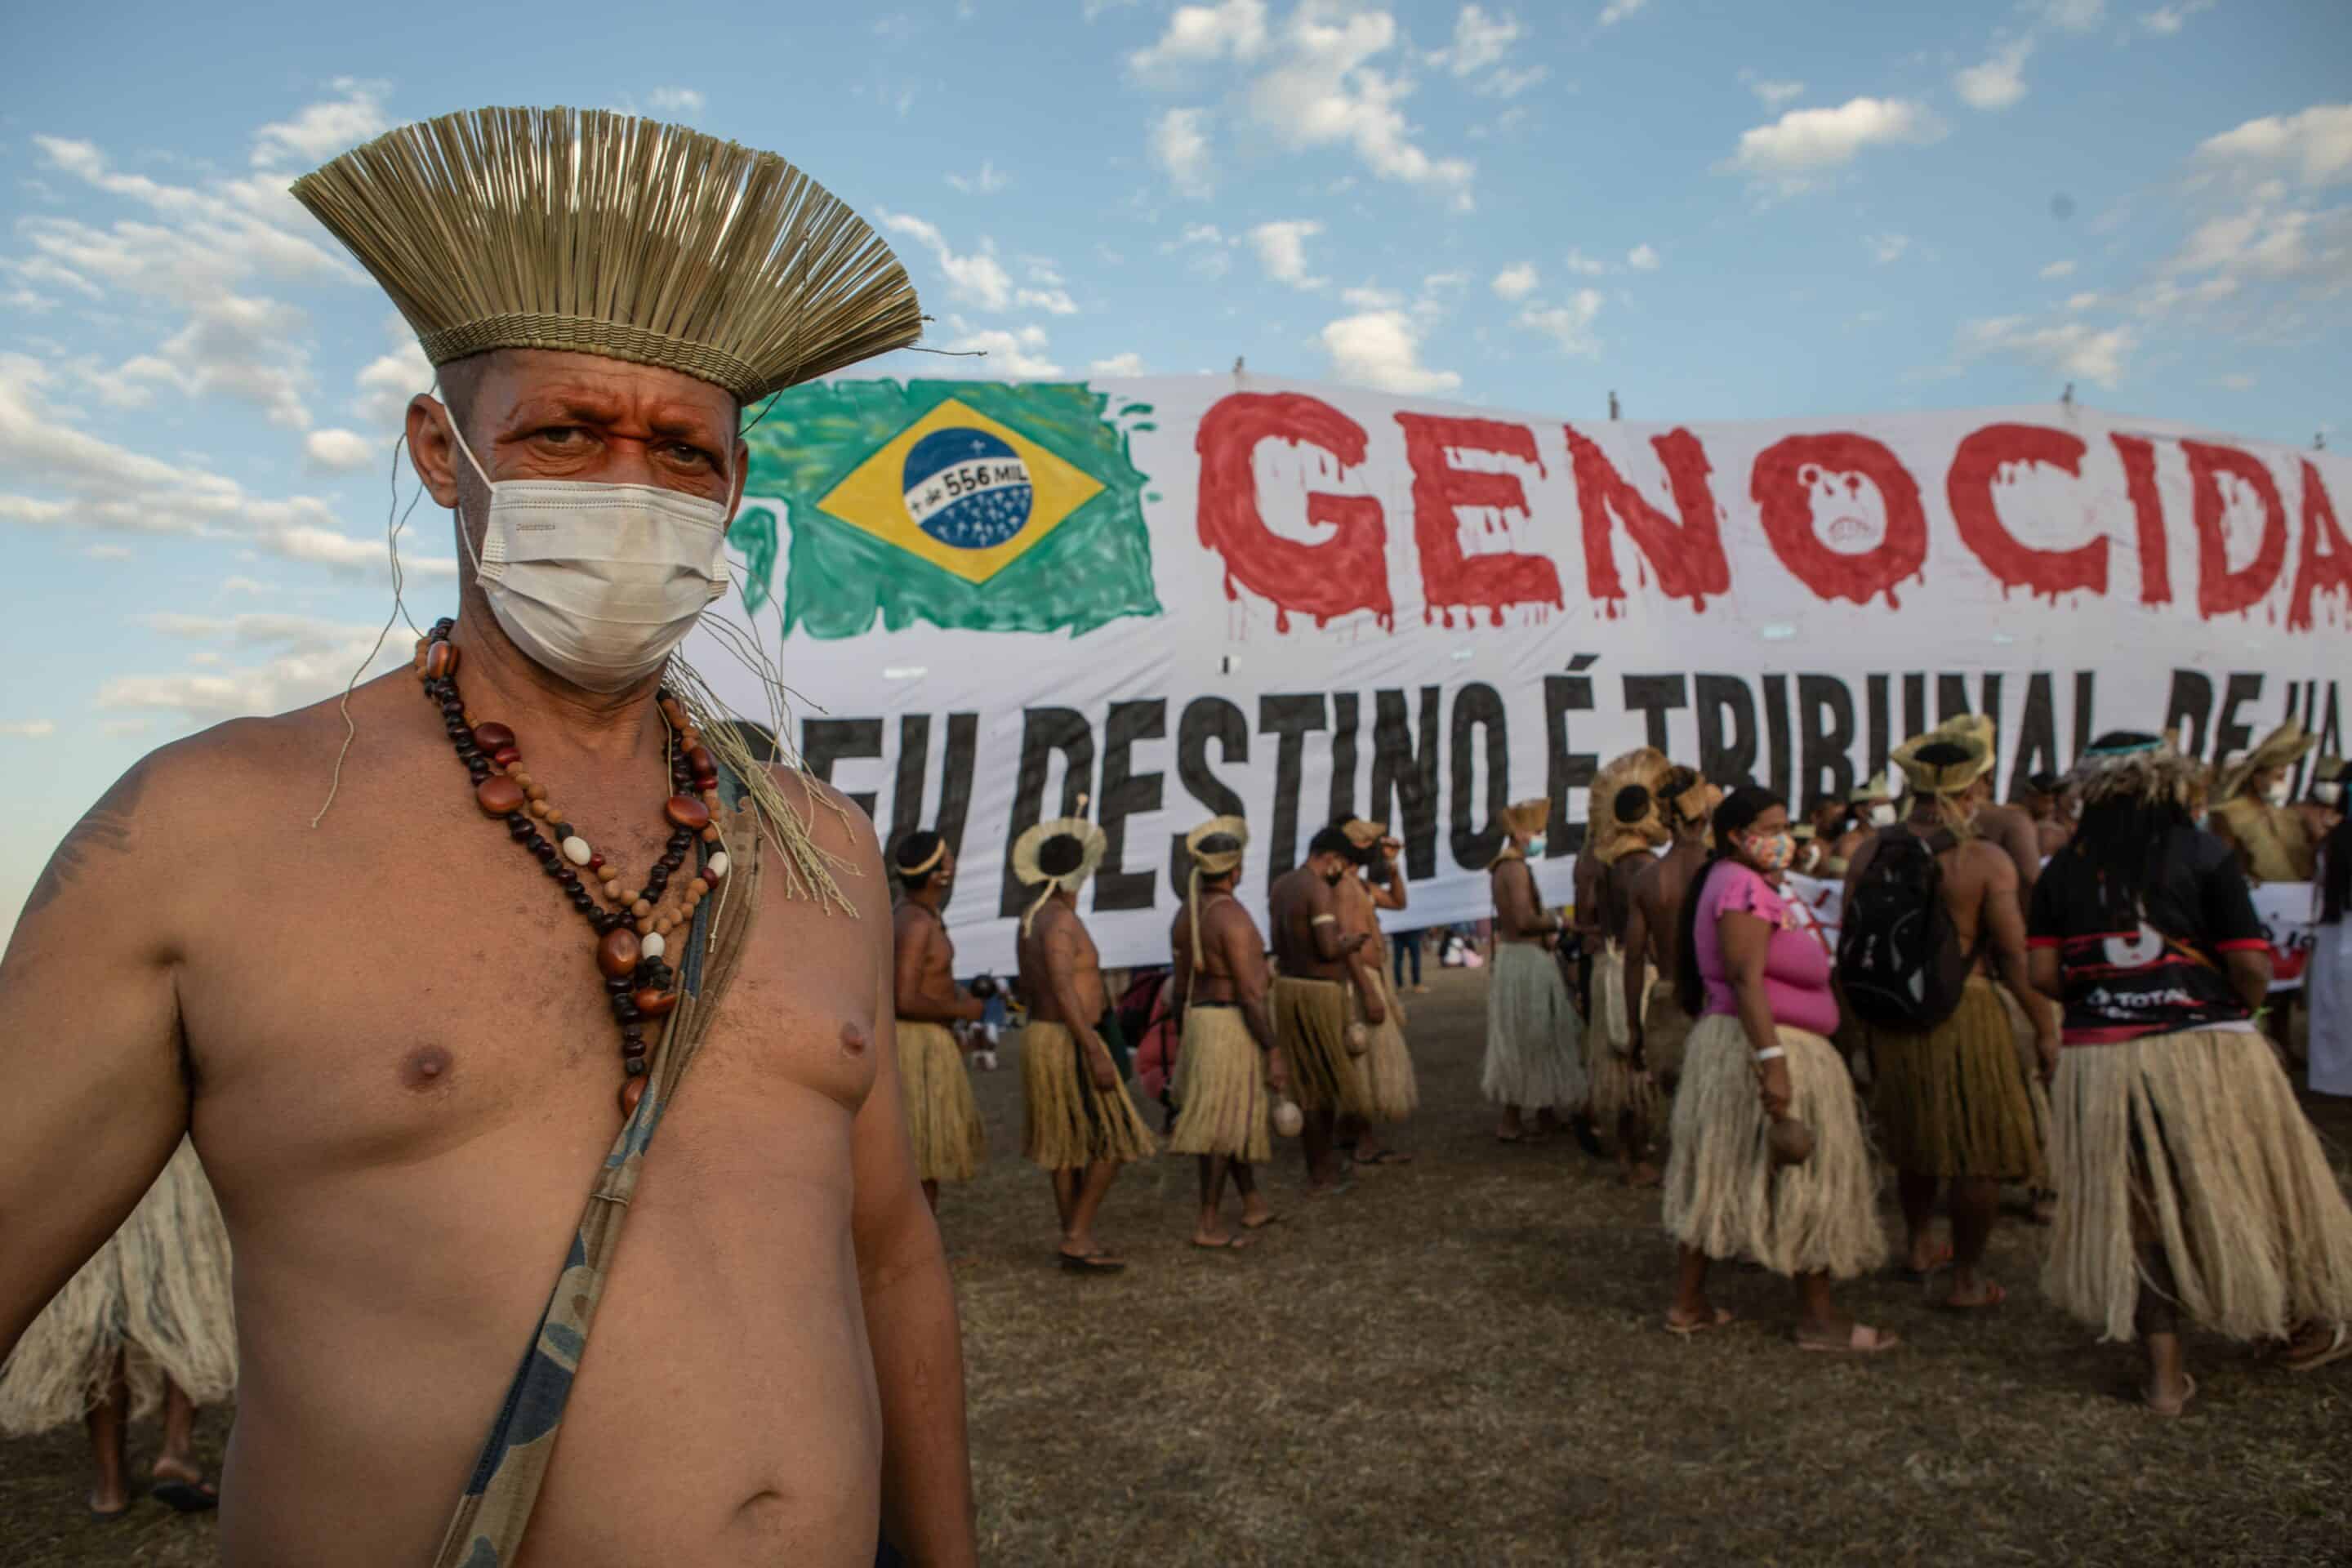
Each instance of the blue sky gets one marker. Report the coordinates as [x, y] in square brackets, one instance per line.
[1716, 210]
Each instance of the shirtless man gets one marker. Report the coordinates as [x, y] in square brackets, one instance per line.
[392, 1042]
[1535, 1059]
[2321, 806]
[1948, 1101]
[2045, 806]
[1229, 1068]
[943, 1120]
[1082, 1125]
[1654, 928]
[1623, 1093]
[1314, 977]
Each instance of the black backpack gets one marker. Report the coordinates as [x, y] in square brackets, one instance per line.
[1899, 960]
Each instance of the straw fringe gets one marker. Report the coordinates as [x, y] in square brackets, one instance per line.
[599, 233]
[1723, 1194]
[1665, 1030]
[2199, 1132]
[2028, 1067]
[943, 1119]
[1535, 1055]
[1223, 1104]
[1391, 1092]
[1070, 1122]
[1310, 1022]
[1616, 1087]
[159, 1290]
[1949, 1103]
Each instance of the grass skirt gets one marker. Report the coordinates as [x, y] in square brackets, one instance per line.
[1535, 1055]
[1665, 1031]
[1949, 1103]
[1071, 1123]
[942, 1117]
[2029, 1064]
[1615, 1087]
[1723, 1194]
[1391, 1091]
[158, 1289]
[1310, 1021]
[2199, 1132]
[1222, 1105]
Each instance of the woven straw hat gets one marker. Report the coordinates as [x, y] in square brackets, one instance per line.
[1880, 787]
[1940, 763]
[1364, 835]
[1615, 835]
[1217, 845]
[1057, 857]
[599, 233]
[2282, 747]
[1527, 817]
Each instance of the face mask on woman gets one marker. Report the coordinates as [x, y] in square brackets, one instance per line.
[1882, 814]
[1770, 851]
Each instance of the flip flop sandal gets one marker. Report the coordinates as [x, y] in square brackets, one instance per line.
[1994, 1296]
[2338, 1349]
[184, 1497]
[1261, 1223]
[1231, 1244]
[1093, 1263]
[115, 1515]
[1723, 1319]
[1863, 1340]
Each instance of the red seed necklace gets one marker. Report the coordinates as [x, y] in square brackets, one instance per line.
[633, 930]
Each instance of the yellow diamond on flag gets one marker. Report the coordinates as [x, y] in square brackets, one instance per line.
[967, 493]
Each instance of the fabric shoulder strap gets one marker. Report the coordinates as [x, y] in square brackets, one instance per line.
[485, 1530]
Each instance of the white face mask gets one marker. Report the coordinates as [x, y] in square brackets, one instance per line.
[597, 581]
[1882, 815]
[2326, 793]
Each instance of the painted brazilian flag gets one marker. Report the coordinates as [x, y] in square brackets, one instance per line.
[974, 505]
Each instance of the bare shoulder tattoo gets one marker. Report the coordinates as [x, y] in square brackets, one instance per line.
[105, 828]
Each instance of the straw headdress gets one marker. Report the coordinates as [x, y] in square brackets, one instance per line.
[1217, 845]
[914, 856]
[1877, 788]
[1950, 758]
[599, 233]
[2328, 769]
[1364, 835]
[2282, 747]
[1614, 833]
[1522, 818]
[1688, 799]
[1057, 857]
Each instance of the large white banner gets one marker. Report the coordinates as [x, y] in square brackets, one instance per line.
[1176, 597]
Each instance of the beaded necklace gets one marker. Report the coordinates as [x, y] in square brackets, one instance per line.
[633, 926]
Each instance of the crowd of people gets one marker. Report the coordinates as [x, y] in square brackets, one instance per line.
[2066, 995]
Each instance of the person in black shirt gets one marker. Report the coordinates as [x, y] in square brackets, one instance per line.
[2189, 1182]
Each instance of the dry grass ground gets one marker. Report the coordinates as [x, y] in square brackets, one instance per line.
[1459, 1362]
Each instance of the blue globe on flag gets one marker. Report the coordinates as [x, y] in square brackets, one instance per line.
[967, 489]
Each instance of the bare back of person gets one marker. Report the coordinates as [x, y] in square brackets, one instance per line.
[1058, 937]
[1659, 893]
[1617, 885]
[403, 1087]
[1293, 906]
[2015, 834]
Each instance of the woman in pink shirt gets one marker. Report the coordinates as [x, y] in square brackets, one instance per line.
[1760, 986]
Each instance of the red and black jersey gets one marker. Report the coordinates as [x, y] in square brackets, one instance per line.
[2152, 970]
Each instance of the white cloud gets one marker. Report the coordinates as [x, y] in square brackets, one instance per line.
[1772, 94]
[319, 131]
[2238, 382]
[1282, 250]
[29, 729]
[338, 451]
[1382, 350]
[1364, 297]
[1516, 282]
[1094, 8]
[2068, 348]
[1180, 145]
[2318, 141]
[1324, 91]
[100, 552]
[122, 728]
[1197, 35]
[252, 587]
[1617, 11]
[1642, 258]
[2167, 20]
[682, 102]
[1568, 326]
[1018, 355]
[1585, 265]
[976, 277]
[987, 182]
[1804, 141]
[1128, 364]
[2065, 268]
[2084, 300]
[388, 382]
[1437, 280]
[1885, 248]
[302, 661]
[1204, 244]
[1479, 41]
[1999, 80]
[1509, 81]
